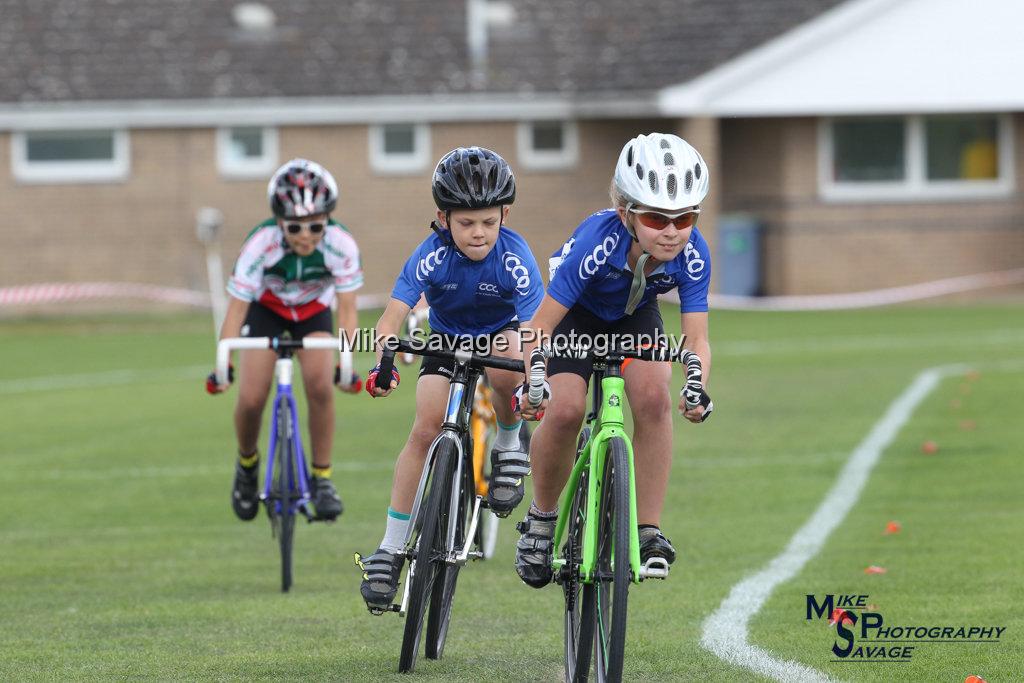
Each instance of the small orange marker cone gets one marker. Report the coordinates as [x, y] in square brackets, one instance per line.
[837, 615]
[955, 403]
[968, 425]
[875, 569]
[872, 607]
[929, 447]
[974, 679]
[972, 376]
[893, 527]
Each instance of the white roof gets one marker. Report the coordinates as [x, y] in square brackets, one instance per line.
[873, 57]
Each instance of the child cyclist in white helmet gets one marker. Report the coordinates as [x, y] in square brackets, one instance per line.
[480, 280]
[605, 280]
[290, 269]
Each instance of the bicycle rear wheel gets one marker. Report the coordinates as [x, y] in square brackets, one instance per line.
[428, 560]
[579, 597]
[444, 587]
[284, 482]
[612, 573]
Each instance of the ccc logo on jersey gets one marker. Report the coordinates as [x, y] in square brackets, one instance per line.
[694, 262]
[514, 265]
[429, 262]
[488, 288]
[598, 257]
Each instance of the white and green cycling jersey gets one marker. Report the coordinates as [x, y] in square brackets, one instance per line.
[295, 287]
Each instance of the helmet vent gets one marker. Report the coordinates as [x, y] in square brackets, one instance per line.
[629, 156]
[665, 144]
[639, 171]
[671, 185]
[696, 171]
[688, 181]
[652, 180]
[670, 160]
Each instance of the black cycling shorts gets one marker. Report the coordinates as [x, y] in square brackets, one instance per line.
[479, 344]
[260, 321]
[645, 320]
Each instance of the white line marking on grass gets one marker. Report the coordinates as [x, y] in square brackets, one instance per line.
[100, 379]
[725, 631]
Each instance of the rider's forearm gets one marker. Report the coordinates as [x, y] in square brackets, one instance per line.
[234, 318]
[390, 322]
[348, 315]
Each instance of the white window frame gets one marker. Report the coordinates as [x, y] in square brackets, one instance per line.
[548, 159]
[230, 166]
[114, 170]
[915, 185]
[415, 162]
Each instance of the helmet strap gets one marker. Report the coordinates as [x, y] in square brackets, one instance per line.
[639, 284]
[445, 235]
[629, 226]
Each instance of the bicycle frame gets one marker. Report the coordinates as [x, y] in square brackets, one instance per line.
[606, 419]
[454, 427]
[283, 369]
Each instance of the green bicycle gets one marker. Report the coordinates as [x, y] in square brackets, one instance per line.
[596, 542]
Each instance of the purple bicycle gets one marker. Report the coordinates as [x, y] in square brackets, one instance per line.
[285, 491]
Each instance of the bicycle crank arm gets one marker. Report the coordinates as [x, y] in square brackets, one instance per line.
[463, 556]
[654, 568]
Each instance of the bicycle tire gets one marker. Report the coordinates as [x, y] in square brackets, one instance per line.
[285, 477]
[430, 544]
[443, 594]
[612, 563]
[579, 597]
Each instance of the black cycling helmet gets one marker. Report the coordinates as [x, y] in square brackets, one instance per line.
[473, 178]
[302, 188]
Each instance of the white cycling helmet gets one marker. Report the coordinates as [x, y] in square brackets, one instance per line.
[661, 171]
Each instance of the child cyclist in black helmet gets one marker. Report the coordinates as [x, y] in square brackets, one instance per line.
[480, 279]
[605, 280]
[291, 268]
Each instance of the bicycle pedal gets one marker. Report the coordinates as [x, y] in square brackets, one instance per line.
[654, 568]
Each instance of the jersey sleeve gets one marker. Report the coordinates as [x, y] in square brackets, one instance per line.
[566, 286]
[416, 274]
[345, 263]
[524, 278]
[695, 278]
[247, 276]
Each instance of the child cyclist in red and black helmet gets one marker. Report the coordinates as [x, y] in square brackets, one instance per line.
[480, 279]
[291, 269]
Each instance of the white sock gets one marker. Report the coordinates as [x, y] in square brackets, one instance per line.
[394, 534]
[508, 437]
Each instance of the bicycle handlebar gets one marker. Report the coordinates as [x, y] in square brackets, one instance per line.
[226, 346]
[676, 355]
[387, 362]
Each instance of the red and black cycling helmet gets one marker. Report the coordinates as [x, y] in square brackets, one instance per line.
[473, 178]
[302, 188]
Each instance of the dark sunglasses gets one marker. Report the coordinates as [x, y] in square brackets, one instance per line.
[655, 220]
[296, 228]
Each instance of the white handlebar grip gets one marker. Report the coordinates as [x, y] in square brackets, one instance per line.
[537, 372]
[694, 379]
[226, 346]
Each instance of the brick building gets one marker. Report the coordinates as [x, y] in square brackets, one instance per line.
[872, 152]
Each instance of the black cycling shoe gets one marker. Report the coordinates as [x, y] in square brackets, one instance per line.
[325, 498]
[245, 492]
[533, 550]
[654, 544]
[505, 488]
[380, 579]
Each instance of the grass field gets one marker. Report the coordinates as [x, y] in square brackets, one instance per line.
[120, 557]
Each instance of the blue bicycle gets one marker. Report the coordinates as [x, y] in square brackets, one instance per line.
[285, 491]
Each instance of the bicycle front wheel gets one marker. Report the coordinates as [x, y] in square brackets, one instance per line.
[579, 597]
[612, 571]
[444, 587]
[430, 549]
[284, 482]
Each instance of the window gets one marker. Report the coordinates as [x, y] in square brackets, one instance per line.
[64, 156]
[547, 145]
[246, 152]
[399, 147]
[916, 157]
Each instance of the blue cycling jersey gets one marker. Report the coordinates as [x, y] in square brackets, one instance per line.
[590, 269]
[473, 297]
